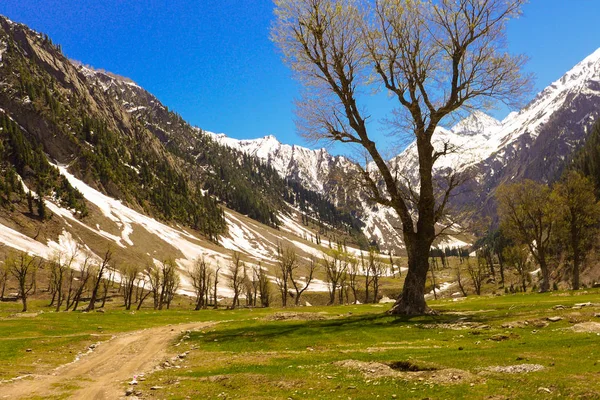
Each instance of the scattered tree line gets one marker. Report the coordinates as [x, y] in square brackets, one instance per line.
[78, 280]
[556, 225]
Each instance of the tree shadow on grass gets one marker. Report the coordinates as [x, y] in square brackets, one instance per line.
[367, 325]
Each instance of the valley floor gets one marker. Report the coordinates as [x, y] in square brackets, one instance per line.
[523, 346]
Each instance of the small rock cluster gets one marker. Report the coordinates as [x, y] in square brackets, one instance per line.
[516, 369]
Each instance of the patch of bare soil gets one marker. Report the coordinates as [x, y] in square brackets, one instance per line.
[26, 315]
[408, 371]
[587, 327]
[516, 369]
[295, 316]
[100, 374]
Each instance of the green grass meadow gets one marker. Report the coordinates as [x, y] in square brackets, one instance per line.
[346, 352]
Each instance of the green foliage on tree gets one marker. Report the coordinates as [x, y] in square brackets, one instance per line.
[577, 218]
[563, 219]
[527, 217]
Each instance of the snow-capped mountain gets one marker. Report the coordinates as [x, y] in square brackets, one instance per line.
[532, 143]
[566, 108]
[313, 168]
[118, 139]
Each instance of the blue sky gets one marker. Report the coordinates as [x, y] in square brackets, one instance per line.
[213, 63]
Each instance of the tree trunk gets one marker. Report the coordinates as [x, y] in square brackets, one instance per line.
[576, 271]
[142, 298]
[576, 256]
[23, 295]
[545, 285]
[412, 299]
[501, 263]
[92, 304]
[332, 294]
[418, 244]
[53, 299]
[433, 282]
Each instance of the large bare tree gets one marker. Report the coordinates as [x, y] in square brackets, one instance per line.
[435, 57]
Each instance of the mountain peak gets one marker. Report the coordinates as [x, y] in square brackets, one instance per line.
[269, 139]
[588, 68]
[477, 122]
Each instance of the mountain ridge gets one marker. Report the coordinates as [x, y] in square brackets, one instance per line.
[482, 146]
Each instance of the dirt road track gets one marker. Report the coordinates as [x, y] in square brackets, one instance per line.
[100, 374]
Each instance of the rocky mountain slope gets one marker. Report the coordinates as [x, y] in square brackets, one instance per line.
[91, 160]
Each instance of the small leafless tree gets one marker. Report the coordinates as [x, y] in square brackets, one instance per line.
[250, 287]
[392, 265]
[62, 274]
[335, 267]
[433, 283]
[255, 282]
[215, 287]
[56, 276]
[460, 281]
[264, 287]
[236, 277]
[168, 282]
[368, 278]
[101, 269]
[201, 276]
[130, 276]
[107, 283]
[343, 288]
[83, 279]
[152, 275]
[300, 288]
[477, 274]
[171, 284]
[23, 267]
[286, 264]
[377, 269]
[140, 295]
[352, 277]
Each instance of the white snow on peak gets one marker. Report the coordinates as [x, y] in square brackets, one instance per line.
[510, 116]
[3, 48]
[92, 73]
[476, 123]
[479, 136]
[537, 112]
[311, 167]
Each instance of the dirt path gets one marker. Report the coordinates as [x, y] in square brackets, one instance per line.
[100, 374]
